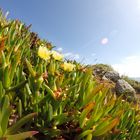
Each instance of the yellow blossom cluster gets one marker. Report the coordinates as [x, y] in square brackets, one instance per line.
[46, 54]
[68, 66]
[57, 56]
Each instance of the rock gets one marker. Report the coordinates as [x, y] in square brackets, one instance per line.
[105, 78]
[112, 75]
[120, 85]
[100, 69]
[123, 87]
[98, 72]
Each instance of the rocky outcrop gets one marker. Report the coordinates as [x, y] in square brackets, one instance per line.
[112, 75]
[123, 87]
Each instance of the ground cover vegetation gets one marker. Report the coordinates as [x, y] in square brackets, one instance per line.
[47, 97]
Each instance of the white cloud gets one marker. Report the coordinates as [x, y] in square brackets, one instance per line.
[129, 66]
[77, 56]
[70, 55]
[67, 54]
[60, 49]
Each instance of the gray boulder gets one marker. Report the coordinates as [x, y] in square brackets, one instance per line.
[123, 87]
[112, 75]
[98, 72]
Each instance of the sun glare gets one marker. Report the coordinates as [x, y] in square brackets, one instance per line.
[104, 41]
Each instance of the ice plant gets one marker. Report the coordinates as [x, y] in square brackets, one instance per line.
[72, 103]
[68, 66]
[57, 56]
[44, 53]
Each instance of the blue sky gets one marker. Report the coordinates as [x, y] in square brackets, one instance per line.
[91, 31]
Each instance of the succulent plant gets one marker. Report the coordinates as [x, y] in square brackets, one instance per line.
[68, 100]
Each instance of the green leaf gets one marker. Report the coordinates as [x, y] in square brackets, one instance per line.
[89, 137]
[5, 119]
[84, 113]
[94, 118]
[105, 127]
[6, 78]
[83, 134]
[61, 119]
[50, 91]
[20, 108]
[5, 102]
[18, 86]
[13, 129]
[31, 70]
[1, 133]
[3, 59]
[1, 90]
[14, 65]
[96, 90]
[21, 136]
[50, 112]
[4, 113]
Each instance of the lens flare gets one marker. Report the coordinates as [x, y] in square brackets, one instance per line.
[104, 41]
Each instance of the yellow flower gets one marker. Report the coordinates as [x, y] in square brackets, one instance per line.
[68, 66]
[57, 56]
[44, 53]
